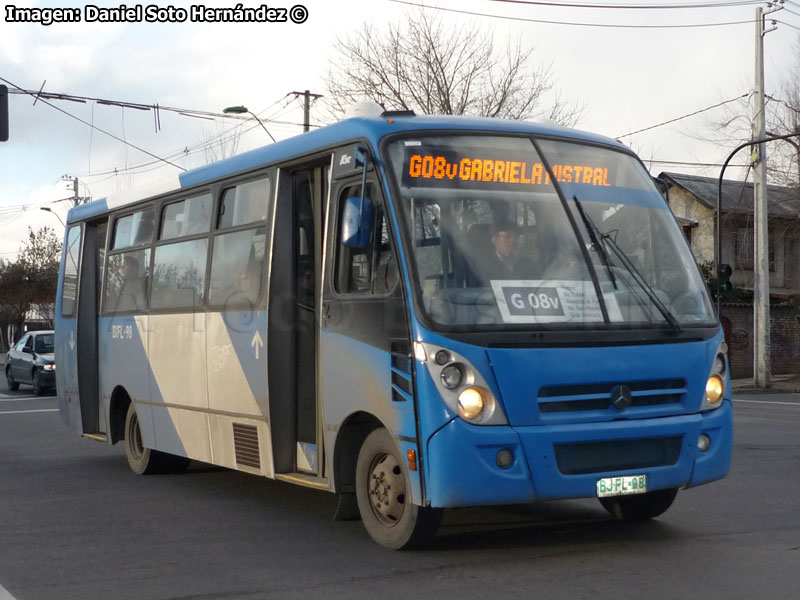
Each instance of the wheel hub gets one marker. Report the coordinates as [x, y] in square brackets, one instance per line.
[387, 489]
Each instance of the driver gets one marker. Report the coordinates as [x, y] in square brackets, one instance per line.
[503, 261]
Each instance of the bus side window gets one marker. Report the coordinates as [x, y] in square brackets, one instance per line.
[133, 230]
[178, 279]
[370, 270]
[245, 203]
[126, 282]
[237, 266]
[186, 217]
[69, 288]
[386, 273]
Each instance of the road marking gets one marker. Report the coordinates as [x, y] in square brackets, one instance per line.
[5, 594]
[19, 412]
[768, 402]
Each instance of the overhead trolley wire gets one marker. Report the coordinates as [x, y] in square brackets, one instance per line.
[573, 23]
[618, 6]
[787, 24]
[691, 114]
[108, 133]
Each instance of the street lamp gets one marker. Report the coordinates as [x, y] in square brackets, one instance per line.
[718, 221]
[52, 212]
[240, 110]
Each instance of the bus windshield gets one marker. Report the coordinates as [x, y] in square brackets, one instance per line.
[514, 232]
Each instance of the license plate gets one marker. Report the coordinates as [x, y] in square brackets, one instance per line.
[621, 486]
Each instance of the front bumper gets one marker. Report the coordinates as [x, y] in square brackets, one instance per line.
[565, 461]
[47, 378]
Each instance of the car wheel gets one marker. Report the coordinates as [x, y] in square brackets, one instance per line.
[37, 383]
[12, 384]
[146, 461]
[639, 507]
[383, 493]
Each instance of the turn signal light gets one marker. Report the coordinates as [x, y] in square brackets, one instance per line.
[411, 457]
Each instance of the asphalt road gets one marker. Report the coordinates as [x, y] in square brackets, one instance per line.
[76, 523]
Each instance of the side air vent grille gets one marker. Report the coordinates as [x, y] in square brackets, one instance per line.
[245, 442]
[402, 387]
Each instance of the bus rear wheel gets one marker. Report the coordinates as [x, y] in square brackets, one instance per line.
[146, 461]
[640, 507]
[384, 497]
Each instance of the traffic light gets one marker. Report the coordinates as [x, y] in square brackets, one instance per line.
[3, 113]
[724, 273]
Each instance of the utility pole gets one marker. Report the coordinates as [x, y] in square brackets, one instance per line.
[761, 325]
[307, 96]
[76, 199]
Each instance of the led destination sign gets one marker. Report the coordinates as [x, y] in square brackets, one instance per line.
[436, 168]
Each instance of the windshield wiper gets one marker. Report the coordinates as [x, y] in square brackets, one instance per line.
[594, 237]
[600, 239]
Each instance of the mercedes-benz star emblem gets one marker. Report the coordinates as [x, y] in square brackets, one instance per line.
[621, 397]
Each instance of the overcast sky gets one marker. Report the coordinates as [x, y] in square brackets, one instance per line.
[629, 79]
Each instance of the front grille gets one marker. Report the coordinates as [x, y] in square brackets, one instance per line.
[597, 396]
[245, 442]
[598, 457]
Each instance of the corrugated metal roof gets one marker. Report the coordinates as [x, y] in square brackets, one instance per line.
[737, 196]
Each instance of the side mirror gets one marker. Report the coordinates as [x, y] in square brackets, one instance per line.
[28, 350]
[356, 222]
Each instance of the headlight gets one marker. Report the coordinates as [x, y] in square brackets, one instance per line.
[715, 384]
[714, 389]
[461, 385]
[471, 403]
[452, 376]
[50, 367]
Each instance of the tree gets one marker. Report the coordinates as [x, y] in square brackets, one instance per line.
[32, 279]
[782, 113]
[783, 117]
[41, 256]
[431, 67]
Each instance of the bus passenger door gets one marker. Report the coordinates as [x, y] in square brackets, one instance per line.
[294, 319]
[78, 389]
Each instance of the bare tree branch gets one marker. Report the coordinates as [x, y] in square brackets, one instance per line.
[431, 67]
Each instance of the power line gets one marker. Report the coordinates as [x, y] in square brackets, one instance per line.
[222, 138]
[786, 104]
[787, 24]
[633, 6]
[571, 23]
[697, 112]
[61, 110]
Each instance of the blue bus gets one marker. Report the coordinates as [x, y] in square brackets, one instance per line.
[411, 312]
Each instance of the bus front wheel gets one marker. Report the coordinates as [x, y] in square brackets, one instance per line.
[145, 461]
[640, 507]
[383, 493]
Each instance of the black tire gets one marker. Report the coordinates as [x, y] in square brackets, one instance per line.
[382, 491]
[12, 384]
[37, 383]
[146, 461]
[639, 507]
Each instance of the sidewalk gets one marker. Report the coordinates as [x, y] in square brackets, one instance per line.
[779, 384]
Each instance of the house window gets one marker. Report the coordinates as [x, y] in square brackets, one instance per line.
[744, 250]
